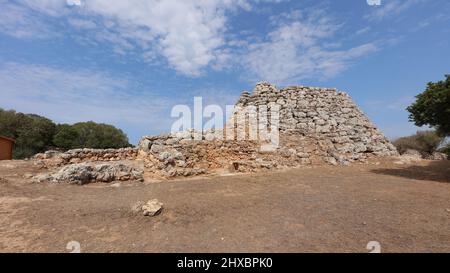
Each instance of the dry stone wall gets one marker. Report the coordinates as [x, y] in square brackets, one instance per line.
[171, 155]
[89, 155]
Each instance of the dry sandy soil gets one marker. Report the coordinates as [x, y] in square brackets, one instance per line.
[318, 209]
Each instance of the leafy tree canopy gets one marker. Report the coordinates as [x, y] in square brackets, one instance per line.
[35, 134]
[432, 107]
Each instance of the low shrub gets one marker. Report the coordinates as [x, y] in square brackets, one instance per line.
[425, 142]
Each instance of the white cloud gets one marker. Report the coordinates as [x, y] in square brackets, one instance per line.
[189, 34]
[82, 24]
[296, 50]
[19, 22]
[192, 35]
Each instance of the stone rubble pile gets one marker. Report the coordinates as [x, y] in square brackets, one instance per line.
[88, 155]
[437, 156]
[84, 173]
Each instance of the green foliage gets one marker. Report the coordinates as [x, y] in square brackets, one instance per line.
[99, 136]
[425, 142]
[432, 107]
[446, 150]
[66, 137]
[35, 134]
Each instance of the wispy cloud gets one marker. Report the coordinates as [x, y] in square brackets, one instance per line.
[20, 22]
[296, 49]
[390, 8]
[189, 34]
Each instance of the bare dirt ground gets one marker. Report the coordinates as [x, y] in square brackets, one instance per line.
[318, 209]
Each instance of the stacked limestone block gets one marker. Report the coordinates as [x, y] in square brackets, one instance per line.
[89, 155]
[331, 117]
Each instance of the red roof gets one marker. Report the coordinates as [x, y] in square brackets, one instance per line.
[8, 138]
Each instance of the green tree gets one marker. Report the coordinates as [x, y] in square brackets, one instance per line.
[66, 137]
[446, 150]
[36, 134]
[432, 107]
[33, 133]
[100, 136]
[10, 123]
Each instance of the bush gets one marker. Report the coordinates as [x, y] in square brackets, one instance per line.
[446, 150]
[66, 137]
[35, 134]
[100, 136]
[425, 142]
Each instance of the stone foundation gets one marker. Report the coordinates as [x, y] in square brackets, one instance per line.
[89, 155]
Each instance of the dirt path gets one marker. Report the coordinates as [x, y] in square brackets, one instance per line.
[320, 209]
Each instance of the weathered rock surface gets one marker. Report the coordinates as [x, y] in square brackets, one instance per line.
[437, 156]
[151, 208]
[83, 173]
[88, 155]
[412, 153]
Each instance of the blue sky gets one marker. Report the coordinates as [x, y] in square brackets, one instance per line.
[128, 62]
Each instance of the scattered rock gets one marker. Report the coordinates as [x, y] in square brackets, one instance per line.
[152, 208]
[47, 155]
[28, 176]
[408, 157]
[438, 156]
[412, 153]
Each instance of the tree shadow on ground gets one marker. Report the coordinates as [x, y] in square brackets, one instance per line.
[438, 171]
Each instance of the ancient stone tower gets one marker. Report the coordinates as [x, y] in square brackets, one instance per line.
[316, 126]
[329, 116]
